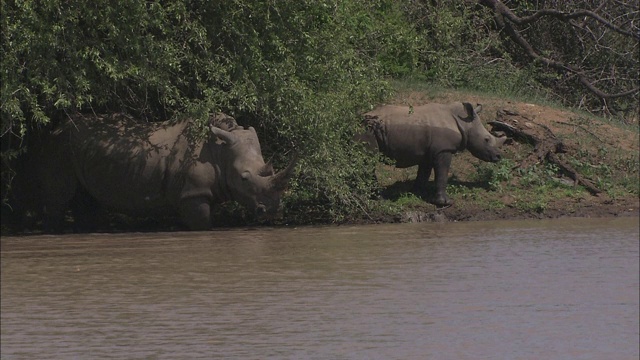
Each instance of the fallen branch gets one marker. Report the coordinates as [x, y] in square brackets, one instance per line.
[546, 144]
[573, 174]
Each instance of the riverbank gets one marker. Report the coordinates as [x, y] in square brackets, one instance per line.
[593, 173]
[601, 154]
[587, 208]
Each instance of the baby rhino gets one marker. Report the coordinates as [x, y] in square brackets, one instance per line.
[427, 136]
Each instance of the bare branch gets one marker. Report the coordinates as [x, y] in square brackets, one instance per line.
[569, 16]
[502, 13]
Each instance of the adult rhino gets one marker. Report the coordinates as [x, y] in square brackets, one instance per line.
[427, 136]
[146, 169]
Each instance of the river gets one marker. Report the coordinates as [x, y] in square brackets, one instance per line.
[548, 289]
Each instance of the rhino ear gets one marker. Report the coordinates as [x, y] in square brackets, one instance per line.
[471, 111]
[223, 121]
[224, 135]
[468, 108]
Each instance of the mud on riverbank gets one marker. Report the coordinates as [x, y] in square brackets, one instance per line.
[593, 174]
[596, 208]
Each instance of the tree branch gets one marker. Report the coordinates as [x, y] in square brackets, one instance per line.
[569, 16]
[502, 12]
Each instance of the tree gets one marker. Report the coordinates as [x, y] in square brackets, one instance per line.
[299, 72]
[588, 42]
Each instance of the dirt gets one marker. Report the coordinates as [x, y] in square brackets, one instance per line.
[595, 141]
[587, 208]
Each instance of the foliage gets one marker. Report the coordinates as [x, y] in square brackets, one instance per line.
[461, 50]
[299, 72]
[466, 47]
[495, 174]
[603, 53]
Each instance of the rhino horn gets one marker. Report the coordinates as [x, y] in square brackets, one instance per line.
[266, 170]
[500, 140]
[224, 135]
[279, 180]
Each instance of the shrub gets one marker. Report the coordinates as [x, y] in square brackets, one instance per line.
[300, 72]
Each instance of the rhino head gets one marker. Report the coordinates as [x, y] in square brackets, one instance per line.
[475, 137]
[251, 182]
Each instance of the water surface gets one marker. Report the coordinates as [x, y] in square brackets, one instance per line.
[561, 289]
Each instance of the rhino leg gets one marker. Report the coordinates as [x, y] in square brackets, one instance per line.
[196, 213]
[57, 194]
[442, 163]
[424, 173]
[88, 215]
[53, 221]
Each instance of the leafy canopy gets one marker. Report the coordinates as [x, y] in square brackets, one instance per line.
[298, 71]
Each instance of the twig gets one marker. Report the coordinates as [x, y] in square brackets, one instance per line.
[581, 127]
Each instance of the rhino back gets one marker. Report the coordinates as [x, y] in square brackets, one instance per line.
[131, 167]
[408, 134]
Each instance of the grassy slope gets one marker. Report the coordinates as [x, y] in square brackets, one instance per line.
[603, 151]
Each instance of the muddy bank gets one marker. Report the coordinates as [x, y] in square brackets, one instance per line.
[589, 209]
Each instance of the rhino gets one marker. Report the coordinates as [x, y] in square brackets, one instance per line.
[427, 136]
[41, 171]
[162, 168]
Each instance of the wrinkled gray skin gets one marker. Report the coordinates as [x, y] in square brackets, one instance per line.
[157, 169]
[428, 136]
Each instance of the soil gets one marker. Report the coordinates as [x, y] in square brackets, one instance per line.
[589, 208]
[601, 143]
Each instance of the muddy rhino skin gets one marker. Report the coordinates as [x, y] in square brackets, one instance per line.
[428, 136]
[147, 169]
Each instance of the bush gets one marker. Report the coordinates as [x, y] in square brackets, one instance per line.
[300, 72]
[461, 50]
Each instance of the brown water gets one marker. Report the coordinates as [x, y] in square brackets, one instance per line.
[562, 289]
